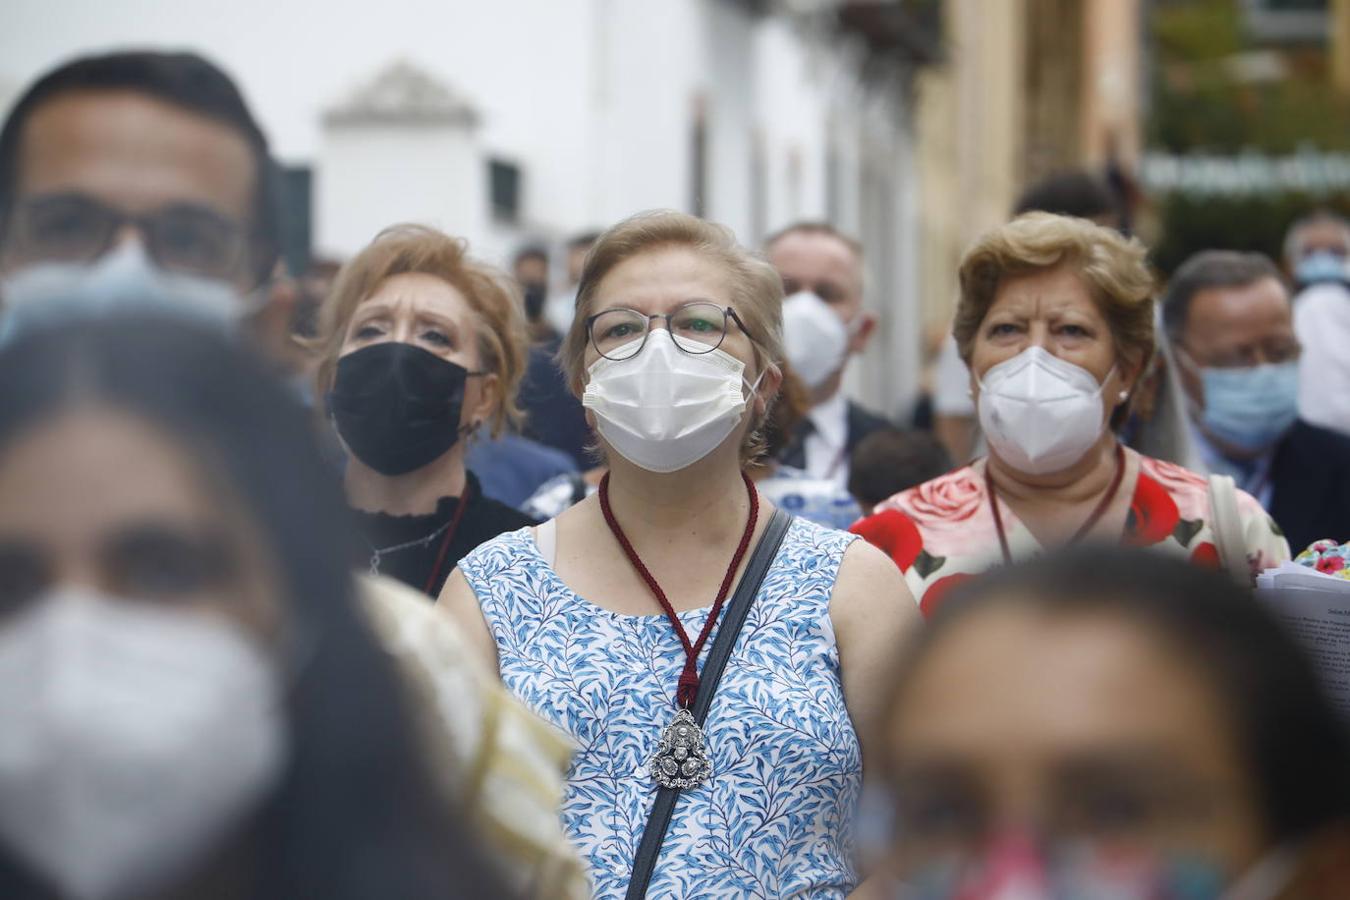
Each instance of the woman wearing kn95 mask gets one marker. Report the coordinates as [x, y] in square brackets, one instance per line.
[604, 619]
[191, 704]
[419, 345]
[1056, 322]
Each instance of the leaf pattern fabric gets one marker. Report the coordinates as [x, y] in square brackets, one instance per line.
[776, 818]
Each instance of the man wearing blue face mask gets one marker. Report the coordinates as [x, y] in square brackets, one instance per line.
[1228, 320]
[134, 179]
[1317, 254]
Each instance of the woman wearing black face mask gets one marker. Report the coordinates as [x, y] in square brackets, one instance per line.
[420, 345]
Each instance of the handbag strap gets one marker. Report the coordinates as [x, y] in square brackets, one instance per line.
[654, 835]
[1226, 523]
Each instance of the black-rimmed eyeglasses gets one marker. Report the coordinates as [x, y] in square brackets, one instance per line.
[77, 228]
[697, 327]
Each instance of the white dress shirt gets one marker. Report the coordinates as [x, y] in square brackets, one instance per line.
[951, 383]
[826, 445]
[1322, 323]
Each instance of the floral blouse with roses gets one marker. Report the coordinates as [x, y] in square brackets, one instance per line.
[942, 532]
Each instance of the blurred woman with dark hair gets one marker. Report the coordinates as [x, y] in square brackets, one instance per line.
[191, 703]
[1108, 723]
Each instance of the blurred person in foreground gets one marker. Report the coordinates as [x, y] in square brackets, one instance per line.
[1056, 323]
[825, 325]
[894, 460]
[674, 351]
[135, 179]
[1228, 319]
[1076, 193]
[1078, 727]
[192, 702]
[420, 345]
[1317, 254]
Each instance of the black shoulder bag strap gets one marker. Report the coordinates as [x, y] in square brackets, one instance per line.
[654, 835]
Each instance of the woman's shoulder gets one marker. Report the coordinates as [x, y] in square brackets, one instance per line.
[1187, 489]
[805, 536]
[506, 549]
[1171, 505]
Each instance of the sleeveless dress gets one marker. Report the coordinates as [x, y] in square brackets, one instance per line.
[776, 818]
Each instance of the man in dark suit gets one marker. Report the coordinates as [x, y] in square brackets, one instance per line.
[823, 275]
[1231, 329]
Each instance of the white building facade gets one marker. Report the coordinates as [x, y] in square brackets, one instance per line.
[520, 120]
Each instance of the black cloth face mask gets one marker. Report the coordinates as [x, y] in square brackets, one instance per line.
[397, 406]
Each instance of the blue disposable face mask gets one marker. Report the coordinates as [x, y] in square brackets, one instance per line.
[1250, 408]
[122, 280]
[1321, 267]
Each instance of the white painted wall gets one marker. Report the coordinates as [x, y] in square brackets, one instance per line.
[595, 99]
[367, 178]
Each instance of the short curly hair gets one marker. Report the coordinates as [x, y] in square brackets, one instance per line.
[503, 347]
[1114, 269]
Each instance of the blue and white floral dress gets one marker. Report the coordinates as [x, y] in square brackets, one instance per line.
[776, 818]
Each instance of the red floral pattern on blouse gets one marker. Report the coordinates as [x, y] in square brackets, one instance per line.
[948, 511]
[1206, 555]
[1153, 513]
[942, 532]
[937, 592]
[893, 532]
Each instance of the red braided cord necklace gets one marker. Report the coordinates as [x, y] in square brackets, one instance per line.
[688, 684]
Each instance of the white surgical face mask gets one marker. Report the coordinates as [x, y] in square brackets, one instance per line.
[134, 737]
[1040, 413]
[815, 338]
[124, 279]
[665, 409]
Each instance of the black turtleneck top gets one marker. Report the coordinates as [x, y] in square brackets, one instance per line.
[423, 537]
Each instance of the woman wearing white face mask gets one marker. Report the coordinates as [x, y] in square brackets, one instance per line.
[1056, 323]
[191, 701]
[606, 619]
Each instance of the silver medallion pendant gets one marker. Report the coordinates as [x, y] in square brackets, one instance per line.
[681, 761]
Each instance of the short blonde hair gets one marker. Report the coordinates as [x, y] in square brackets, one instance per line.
[503, 347]
[756, 287]
[1113, 267]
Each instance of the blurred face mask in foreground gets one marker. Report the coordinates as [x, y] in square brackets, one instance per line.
[134, 738]
[125, 279]
[1040, 413]
[1016, 867]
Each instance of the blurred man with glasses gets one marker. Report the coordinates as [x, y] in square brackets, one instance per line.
[1231, 332]
[135, 179]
